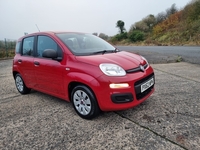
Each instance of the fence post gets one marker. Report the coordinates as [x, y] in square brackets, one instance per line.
[6, 48]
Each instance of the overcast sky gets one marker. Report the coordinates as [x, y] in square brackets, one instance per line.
[19, 16]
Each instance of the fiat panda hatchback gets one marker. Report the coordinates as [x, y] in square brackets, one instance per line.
[82, 69]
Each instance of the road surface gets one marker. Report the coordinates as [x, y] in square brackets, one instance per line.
[168, 120]
[188, 53]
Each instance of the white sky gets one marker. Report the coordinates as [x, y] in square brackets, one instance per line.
[19, 16]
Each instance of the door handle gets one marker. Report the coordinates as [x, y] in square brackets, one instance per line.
[19, 61]
[36, 63]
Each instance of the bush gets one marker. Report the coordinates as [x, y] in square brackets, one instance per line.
[121, 36]
[136, 36]
[195, 12]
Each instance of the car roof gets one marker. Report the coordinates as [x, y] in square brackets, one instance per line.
[45, 33]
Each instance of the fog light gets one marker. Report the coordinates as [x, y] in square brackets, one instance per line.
[119, 85]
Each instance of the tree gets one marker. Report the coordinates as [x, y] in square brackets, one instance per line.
[120, 24]
[195, 12]
[2, 45]
[145, 24]
[132, 28]
[141, 25]
[161, 17]
[103, 36]
[95, 33]
[150, 20]
[171, 10]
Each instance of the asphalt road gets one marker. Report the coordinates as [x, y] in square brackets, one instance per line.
[188, 53]
[168, 120]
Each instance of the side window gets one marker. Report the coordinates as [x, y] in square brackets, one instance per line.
[45, 42]
[27, 48]
[17, 47]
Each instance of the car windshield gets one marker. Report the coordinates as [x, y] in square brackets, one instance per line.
[85, 44]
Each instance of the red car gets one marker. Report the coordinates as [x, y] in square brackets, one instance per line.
[83, 69]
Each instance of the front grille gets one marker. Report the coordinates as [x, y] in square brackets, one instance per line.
[138, 84]
[136, 69]
[144, 79]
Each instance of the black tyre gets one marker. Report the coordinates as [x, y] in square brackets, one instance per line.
[21, 87]
[84, 102]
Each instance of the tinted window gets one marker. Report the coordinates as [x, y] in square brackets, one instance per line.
[45, 42]
[27, 48]
[17, 47]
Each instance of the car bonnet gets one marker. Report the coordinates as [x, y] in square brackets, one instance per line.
[124, 59]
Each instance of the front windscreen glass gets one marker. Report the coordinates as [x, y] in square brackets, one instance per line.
[85, 44]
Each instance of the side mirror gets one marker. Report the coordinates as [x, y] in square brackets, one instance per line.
[50, 53]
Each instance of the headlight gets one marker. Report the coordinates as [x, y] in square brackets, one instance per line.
[112, 70]
[145, 59]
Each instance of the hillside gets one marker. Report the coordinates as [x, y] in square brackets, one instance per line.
[182, 27]
[172, 27]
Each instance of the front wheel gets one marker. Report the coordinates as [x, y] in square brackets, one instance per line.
[84, 102]
[21, 87]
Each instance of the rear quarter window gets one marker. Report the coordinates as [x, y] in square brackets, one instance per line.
[27, 46]
[17, 47]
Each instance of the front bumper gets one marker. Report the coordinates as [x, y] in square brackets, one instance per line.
[124, 98]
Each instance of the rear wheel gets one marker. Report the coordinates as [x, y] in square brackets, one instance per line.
[21, 87]
[84, 102]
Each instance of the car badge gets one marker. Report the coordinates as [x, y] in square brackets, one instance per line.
[141, 68]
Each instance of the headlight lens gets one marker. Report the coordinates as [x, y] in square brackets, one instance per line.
[112, 70]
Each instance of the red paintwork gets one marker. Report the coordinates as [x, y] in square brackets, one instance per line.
[52, 77]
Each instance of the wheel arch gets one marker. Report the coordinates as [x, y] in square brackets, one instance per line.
[14, 73]
[77, 78]
[73, 84]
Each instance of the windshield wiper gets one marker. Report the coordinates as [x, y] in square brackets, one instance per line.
[106, 51]
[101, 52]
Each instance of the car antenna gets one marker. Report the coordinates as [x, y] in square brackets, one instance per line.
[37, 27]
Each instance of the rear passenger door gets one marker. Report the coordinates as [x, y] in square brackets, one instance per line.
[48, 72]
[25, 61]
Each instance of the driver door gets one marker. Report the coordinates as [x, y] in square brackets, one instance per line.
[48, 73]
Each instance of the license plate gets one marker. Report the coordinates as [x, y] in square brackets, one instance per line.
[147, 85]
